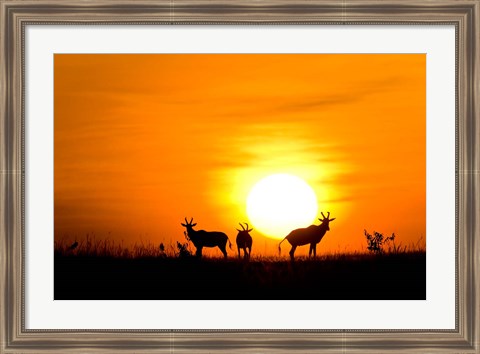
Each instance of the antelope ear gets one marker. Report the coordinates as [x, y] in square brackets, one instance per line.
[332, 219]
[184, 224]
[194, 224]
[321, 220]
[250, 230]
[238, 230]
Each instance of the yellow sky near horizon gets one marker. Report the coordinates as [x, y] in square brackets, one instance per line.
[144, 140]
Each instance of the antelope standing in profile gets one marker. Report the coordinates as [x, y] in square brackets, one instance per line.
[244, 241]
[202, 238]
[312, 235]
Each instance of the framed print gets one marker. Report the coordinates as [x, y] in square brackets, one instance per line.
[198, 176]
[280, 196]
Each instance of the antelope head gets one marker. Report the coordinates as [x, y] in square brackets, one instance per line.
[244, 230]
[189, 225]
[326, 221]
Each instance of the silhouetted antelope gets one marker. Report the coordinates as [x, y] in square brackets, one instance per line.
[244, 241]
[308, 235]
[202, 238]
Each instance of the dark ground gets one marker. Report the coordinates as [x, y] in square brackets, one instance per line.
[362, 277]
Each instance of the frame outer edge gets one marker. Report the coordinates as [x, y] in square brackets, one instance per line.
[6, 270]
[468, 178]
[12, 178]
[11, 328]
[3, 187]
[474, 175]
[476, 158]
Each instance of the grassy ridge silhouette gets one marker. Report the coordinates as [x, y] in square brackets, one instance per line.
[104, 269]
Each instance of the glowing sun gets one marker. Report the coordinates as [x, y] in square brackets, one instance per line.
[279, 203]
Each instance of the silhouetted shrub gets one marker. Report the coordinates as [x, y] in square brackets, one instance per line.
[161, 248]
[377, 241]
[183, 250]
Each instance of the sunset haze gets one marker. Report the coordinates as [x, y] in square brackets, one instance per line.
[144, 140]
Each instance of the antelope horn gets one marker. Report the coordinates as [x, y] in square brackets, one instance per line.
[186, 220]
[328, 215]
[191, 221]
[247, 226]
[241, 227]
[323, 215]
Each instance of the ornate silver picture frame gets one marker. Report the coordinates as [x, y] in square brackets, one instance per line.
[16, 15]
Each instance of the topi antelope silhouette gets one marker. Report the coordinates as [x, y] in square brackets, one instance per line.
[202, 238]
[244, 241]
[312, 235]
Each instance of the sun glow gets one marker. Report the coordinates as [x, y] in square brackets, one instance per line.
[280, 203]
[208, 134]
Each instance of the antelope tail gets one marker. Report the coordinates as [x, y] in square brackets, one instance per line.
[279, 249]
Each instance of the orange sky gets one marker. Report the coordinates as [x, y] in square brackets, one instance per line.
[141, 141]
